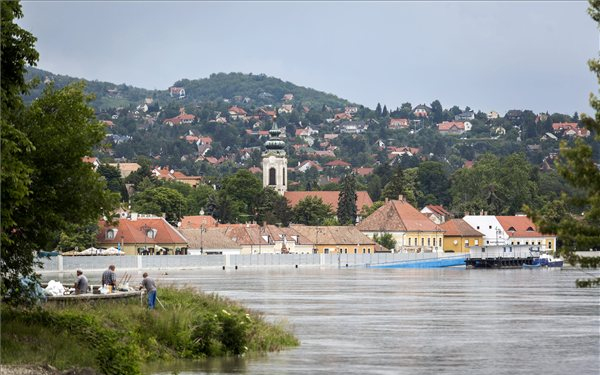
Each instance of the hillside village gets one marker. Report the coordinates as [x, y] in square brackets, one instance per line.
[429, 156]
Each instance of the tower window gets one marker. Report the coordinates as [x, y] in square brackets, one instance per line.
[272, 176]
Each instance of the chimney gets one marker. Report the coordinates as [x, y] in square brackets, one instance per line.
[485, 213]
[481, 213]
[466, 213]
[386, 200]
[134, 216]
[400, 197]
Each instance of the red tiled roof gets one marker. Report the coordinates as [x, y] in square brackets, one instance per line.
[564, 126]
[448, 125]
[398, 216]
[134, 232]
[237, 110]
[363, 171]
[328, 197]
[518, 226]
[338, 163]
[196, 222]
[438, 210]
[459, 227]
[255, 170]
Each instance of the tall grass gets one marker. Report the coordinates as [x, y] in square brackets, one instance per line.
[115, 338]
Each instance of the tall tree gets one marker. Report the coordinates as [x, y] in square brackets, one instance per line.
[577, 165]
[312, 211]
[16, 51]
[64, 190]
[158, 201]
[346, 212]
[378, 110]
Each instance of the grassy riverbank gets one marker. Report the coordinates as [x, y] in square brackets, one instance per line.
[116, 338]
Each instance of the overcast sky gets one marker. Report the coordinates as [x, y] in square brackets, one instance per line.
[486, 55]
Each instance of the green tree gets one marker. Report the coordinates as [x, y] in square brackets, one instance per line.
[64, 190]
[114, 182]
[312, 211]
[433, 180]
[386, 240]
[160, 200]
[346, 212]
[16, 50]
[272, 208]
[78, 236]
[243, 187]
[578, 167]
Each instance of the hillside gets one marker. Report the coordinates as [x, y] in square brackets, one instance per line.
[258, 89]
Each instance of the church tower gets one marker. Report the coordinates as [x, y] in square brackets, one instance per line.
[274, 163]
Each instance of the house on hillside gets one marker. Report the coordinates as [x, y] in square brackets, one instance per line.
[237, 113]
[412, 230]
[398, 123]
[454, 127]
[422, 111]
[126, 168]
[181, 119]
[177, 92]
[465, 116]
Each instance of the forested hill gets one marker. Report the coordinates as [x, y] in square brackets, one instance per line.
[108, 95]
[259, 89]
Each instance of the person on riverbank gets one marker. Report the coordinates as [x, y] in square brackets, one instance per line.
[109, 278]
[81, 284]
[150, 286]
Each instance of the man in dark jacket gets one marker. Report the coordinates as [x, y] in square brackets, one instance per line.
[109, 278]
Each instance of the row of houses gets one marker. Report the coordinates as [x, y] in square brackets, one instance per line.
[429, 230]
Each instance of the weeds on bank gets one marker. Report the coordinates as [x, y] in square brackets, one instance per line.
[116, 338]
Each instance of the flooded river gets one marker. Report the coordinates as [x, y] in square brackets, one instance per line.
[403, 321]
[412, 321]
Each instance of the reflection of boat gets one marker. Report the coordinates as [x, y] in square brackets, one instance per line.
[532, 266]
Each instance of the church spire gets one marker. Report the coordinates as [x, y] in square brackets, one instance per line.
[275, 162]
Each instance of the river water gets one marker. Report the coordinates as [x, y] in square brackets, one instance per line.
[412, 321]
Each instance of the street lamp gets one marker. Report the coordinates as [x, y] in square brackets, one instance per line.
[145, 229]
[202, 230]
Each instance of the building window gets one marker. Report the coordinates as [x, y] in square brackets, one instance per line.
[490, 227]
[110, 234]
[422, 242]
[272, 180]
[355, 250]
[283, 174]
[428, 241]
[549, 244]
[467, 243]
[478, 227]
[476, 242]
[151, 233]
[409, 240]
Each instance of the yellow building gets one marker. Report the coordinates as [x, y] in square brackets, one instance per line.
[412, 230]
[459, 236]
[336, 239]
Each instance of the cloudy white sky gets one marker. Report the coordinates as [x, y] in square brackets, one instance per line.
[486, 55]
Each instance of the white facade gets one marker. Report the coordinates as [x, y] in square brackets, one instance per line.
[489, 226]
[275, 172]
